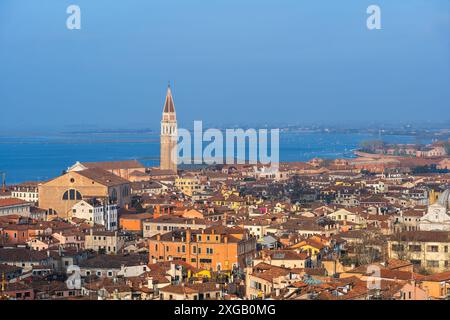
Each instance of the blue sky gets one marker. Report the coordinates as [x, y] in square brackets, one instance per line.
[232, 61]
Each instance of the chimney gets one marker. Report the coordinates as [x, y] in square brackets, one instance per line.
[188, 235]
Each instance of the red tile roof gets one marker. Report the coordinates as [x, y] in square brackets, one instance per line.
[11, 202]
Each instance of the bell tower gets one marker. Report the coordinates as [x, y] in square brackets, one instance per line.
[169, 135]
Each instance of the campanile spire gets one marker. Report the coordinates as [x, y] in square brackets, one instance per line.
[169, 135]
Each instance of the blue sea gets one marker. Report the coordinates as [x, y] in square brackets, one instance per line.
[31, 157]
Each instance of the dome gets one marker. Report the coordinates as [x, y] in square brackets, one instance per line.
[444, 199]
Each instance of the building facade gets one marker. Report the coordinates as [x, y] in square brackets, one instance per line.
[107, 242]
[14, 206]
[59, 195]
[215, 248]
[27, 191]
[97, 211]
[425, 249]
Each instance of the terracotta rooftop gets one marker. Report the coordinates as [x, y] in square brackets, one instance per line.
[11, 202]
[111, 165]
[103, 177]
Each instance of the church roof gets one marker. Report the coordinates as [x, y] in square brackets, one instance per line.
[111, 165]
[103, 177]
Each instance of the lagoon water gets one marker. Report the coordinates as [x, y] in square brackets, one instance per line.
[41, 157]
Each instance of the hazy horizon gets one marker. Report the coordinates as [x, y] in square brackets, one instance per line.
[229, 62]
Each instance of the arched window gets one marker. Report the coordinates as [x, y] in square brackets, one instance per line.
[72, 194]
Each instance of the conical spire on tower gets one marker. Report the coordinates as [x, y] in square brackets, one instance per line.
[169, 106]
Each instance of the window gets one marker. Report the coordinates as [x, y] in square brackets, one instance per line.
[397, 247]
[114, 195]
[416, 262]
[432, 248]
[415, 248]
[72, 194]
[432, 263]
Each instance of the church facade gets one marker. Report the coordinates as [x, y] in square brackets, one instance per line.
[437, 218]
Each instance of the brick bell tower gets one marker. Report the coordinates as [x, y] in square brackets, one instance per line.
[169, 135]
